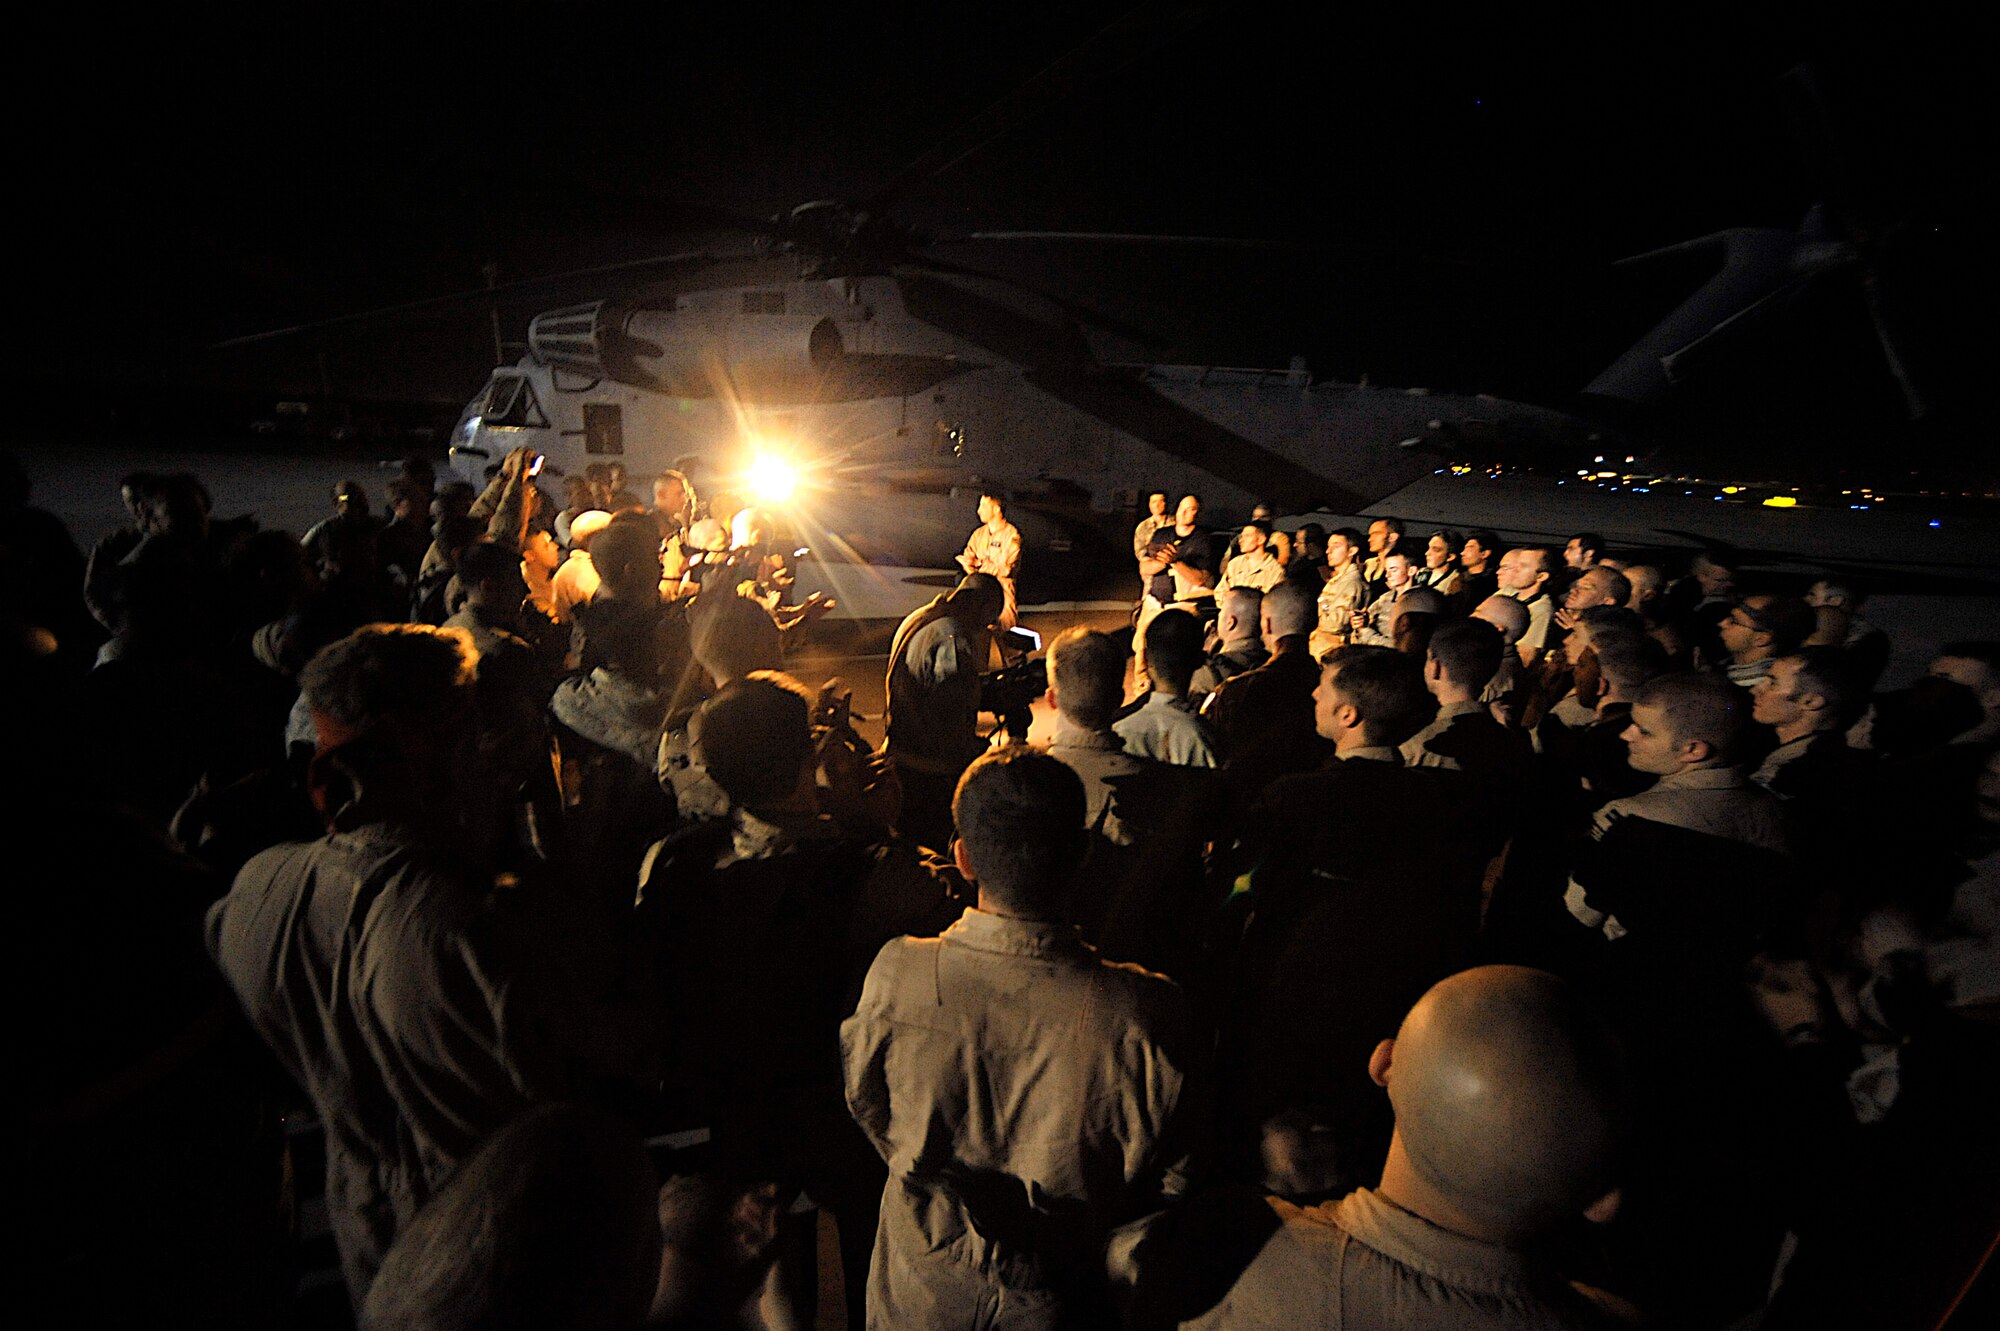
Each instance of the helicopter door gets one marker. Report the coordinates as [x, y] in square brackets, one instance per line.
[603, 427]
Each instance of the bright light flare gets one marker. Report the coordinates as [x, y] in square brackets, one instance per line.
[770, 479]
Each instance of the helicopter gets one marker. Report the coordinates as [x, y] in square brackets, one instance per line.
[835, 382]
[845, 376]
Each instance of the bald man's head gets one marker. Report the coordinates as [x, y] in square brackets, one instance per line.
[1508, 1094]
[1506, 614]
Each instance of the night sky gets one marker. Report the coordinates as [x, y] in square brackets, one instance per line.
[1448, 192]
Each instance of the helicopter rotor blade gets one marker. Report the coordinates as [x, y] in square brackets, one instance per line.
[1118, 238]
[692, 259]
[1076, 309]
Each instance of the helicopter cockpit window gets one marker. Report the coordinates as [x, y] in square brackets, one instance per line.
[510, 400]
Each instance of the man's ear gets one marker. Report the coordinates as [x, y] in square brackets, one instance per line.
[1697, 751]
[1350, 716]
[1379, 1061]
[1601, 1211]
[959, 858]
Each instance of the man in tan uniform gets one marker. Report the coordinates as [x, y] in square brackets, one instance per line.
[387, 977]
[1022, 1089]
[1507, 1093]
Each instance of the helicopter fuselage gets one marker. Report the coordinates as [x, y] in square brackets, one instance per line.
[919, 384]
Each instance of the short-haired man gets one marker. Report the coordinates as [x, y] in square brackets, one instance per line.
[1510, 617]
[1687, 731]
[674, 504]
[1463, 736]
[1818, 778]
[1087, 685]
[1239, 642]
[1166, 727]
[1023, 1091]
[1376, 625]
[1509, 1097]
[932, 720]
[761, 924]
[1365, 891]
[1597, 585]
[1344, 593]
[1524, 576]
[1180, 563]
[1976, 665]
[1803, 698]
[1649, 601]
[1255, 566]
[1704, 597]
[1262, 718]
[1757, 631]
[1156, 518]
[374, 961]
[1589, 757]
[995, 548]
[1478, 563]
[1837, 622]
[1583, 551]
[1384, 534]
[1179, 566]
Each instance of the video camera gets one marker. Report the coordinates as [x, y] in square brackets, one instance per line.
[1010, 691]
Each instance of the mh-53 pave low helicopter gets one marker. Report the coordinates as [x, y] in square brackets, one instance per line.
[846, 371]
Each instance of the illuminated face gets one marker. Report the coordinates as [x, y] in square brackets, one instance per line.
[669, 495]
[1587, 591]
[1819, 596]
[1327, 704]
[1575, 555]
[1339, 551]
[989, 510]
[1250, 540]
[1739, 631]
[1520, 571]
[1650, 745]
[1378, 537]
[1156, 504]
[1437, 553]
[541, 551]
[1474, 556]
[1396, 572]
[1188, 513]
[1774, 699]
[1712, 577]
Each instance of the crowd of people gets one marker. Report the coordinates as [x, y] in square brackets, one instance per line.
[1400, 929]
